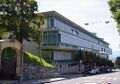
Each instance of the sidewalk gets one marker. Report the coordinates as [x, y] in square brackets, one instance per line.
[42, 81]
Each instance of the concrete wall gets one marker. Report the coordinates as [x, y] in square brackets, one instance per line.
[31, 47]
[70, 69]
[62, 55]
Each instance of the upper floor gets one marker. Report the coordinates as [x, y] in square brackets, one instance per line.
[57, 21]
[71, 34]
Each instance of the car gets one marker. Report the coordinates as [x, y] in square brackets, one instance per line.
[97, 71]
[109, 70]
[93, 71]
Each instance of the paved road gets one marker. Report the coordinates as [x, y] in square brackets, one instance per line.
[109, 78]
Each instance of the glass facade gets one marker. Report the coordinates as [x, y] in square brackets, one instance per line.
[68, 36]
[65, 27]
[48, 55]
[55, 23]
[50, 23]
[51, 38]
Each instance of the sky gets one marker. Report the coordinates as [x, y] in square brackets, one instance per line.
[94, 12]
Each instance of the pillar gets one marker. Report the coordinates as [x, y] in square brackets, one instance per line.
[18, 64]
[21, 63]
[0, 56]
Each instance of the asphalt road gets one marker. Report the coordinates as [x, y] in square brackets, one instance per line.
[108, 78]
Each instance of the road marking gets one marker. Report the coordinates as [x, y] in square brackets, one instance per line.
[114, 78]
[103, 77]
[109, 78]
[89, 83]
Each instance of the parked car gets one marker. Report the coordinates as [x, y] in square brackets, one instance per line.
[93, 71]
[109, 69]
[98, 71]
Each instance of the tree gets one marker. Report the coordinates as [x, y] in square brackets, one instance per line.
[19, 16]
[110, 63]
[117, 62]
[2, 32]
[115, 10]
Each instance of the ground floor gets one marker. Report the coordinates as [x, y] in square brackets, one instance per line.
[65, 60]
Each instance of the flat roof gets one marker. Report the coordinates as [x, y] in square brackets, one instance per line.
[69, 22]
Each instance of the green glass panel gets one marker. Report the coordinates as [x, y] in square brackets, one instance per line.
[47, 55]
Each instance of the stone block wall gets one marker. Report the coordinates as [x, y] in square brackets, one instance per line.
[31, 72]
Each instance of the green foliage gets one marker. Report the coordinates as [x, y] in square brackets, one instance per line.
[90, 58]
[9, 53]
[115, 10]
[35, 60]
[117, 62]
[19, 16]
[110, 63]
[2, 32]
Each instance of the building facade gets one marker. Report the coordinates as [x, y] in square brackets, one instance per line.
[62, 38]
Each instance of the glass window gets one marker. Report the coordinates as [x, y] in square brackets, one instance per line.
[47, 55]
[50, 23]
[51, 38]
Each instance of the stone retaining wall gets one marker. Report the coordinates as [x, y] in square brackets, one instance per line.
[31, 72]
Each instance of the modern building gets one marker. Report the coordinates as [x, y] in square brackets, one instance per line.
[62, 38]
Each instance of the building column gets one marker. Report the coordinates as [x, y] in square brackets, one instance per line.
[18, 64]
[21, 63]
[0, 56]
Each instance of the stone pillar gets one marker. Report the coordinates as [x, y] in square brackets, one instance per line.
[18, 64]
[0, 56]
[21, 63]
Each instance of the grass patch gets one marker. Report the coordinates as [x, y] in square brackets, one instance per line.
[31, 59]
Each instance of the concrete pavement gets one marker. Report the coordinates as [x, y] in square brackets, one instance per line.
[74, 79]
[109, 78]
[42, 81]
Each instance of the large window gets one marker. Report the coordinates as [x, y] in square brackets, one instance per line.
[50, 23]
[51, 38]
[56, 23]
[47, 55]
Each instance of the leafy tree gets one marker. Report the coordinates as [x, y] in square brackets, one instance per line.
[19, 16]
[110, 63]
[115, 10]
[117, 62]
[2, 32]
[83, 57]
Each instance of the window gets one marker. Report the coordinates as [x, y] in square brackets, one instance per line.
[50, 23]
[102, 49]
[47, 55]
[51, 38]
[75, 32]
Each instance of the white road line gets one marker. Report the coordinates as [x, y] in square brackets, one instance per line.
[103, 77]
[114, 78]
[89, 83]
[109, 78]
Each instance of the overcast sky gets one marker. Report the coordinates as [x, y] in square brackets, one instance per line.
[94, 12]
